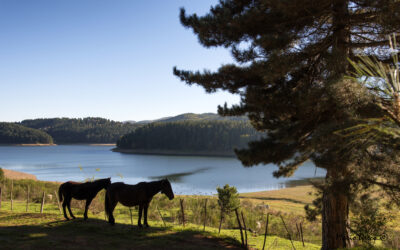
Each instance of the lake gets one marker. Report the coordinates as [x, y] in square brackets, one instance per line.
[188, 174]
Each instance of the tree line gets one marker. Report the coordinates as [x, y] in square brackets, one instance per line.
[11, 133]
[86, 130]
[222, 136]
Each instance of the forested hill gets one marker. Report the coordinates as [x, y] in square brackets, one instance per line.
[189, 137]
[195, 117]
[11, 133]
[86, 130]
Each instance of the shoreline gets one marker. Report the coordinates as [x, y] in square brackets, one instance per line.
[29, 144]
[53, 144]
[174, 152]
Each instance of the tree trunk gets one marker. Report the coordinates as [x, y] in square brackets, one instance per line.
[335, 215]
[335, 201]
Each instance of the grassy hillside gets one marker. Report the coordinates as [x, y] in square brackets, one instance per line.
[20, 229]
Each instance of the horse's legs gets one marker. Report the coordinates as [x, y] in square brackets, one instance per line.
[64, 205]
[111, 219]
[146, 206]
[69, 206]
[88, 201]
[140, 216]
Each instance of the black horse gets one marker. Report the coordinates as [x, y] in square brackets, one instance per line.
[132, 195]
[81, 191]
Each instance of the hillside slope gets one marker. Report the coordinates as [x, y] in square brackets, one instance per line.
[11, 133]
[86, 130]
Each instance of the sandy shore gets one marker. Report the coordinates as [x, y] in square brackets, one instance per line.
[15, 175]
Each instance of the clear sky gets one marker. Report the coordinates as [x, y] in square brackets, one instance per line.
[103, 58]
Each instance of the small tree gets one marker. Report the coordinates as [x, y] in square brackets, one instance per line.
[228, 200]
[1, 174]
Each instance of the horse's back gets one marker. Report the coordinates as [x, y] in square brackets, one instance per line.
[128, 195]
[78, 190]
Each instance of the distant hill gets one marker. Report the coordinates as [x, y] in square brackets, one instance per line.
[100, 130]
[86, 130]
[189, 137]
[11, 133]
[192, 117]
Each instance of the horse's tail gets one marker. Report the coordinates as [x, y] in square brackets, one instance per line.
[60, 196]
[107, 202]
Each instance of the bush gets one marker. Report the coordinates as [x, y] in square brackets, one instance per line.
[2, 177]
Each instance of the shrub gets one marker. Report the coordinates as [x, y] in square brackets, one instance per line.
[1, 175]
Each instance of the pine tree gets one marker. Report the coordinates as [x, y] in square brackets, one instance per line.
[291, 58]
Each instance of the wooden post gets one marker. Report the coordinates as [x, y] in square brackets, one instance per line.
[298, 231]
[11, 194]
[301, 233]
[245, 229]
[240, 227]
[290, 237]
[220, 221]
[205, 215]
[27, 198]
[130, 211]
[165, 225]
[266, 231]
[41, 207]
[58, 201]
[183, 212]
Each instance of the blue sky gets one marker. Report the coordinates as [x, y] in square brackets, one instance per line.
[103, 58]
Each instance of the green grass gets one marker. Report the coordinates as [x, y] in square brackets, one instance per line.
[288, 200]
[19, 229]
[288, 203]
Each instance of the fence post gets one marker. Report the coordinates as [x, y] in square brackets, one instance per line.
[290, 237]
[240, 226]
[11, 194]
[183, 212]
[301, 232]
[205, 215]
[58, 201]
[245, 229]
[41, 207]
[27, 198]
[266, 231]
[165, 225]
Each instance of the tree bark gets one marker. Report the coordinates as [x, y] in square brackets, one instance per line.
[335, 201]
[335, 215]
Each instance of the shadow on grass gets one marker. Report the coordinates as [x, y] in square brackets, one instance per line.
[98, 234]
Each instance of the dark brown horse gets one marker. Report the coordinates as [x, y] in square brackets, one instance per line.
[133, 195]
[81, 191]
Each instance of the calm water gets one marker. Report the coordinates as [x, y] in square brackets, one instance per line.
[189, 175]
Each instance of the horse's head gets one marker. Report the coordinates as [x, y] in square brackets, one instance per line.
[106, 182]
[167, 189]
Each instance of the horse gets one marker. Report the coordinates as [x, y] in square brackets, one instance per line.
[80, 191]
[132, 195]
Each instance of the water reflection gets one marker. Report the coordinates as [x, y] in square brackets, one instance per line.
[178, 177]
